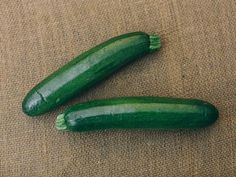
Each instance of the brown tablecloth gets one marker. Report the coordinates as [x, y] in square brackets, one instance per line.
[197, 60]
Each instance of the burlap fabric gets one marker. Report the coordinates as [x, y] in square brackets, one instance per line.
[197, 60]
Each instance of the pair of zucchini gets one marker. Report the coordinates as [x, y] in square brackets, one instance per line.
[129, 112]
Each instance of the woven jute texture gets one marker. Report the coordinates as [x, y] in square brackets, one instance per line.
[197, 60]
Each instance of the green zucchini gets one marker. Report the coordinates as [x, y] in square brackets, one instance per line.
[86, 70]
[137, 112]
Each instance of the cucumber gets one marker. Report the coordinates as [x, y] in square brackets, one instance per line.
[86, 70]
[137, 112]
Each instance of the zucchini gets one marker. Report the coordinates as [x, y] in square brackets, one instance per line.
[137, 112]
[86, 70]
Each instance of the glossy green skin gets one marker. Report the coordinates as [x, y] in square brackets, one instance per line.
[84, 71]
[139, 112]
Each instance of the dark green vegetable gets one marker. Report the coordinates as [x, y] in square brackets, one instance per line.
[86, 70]
[137, 112]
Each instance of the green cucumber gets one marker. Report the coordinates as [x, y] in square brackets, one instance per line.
[86, 70]
[137, 112]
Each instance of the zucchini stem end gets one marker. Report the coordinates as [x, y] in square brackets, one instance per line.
[60, 122]
[155, 42]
